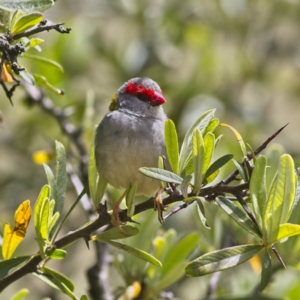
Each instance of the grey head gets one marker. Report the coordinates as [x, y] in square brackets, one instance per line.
[141, 96]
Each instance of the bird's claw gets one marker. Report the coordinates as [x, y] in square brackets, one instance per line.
[159, 206]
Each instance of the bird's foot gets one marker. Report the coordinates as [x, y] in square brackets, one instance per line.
[159, 206]
[115, 218]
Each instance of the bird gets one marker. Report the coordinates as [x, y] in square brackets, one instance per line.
[131, 136]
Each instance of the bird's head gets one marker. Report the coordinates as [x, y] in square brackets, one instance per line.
[140, 96]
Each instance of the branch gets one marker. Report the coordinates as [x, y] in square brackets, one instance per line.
[233, 175]
[40, 28]
[103, 219]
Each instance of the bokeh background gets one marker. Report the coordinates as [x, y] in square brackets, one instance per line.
[241, 57]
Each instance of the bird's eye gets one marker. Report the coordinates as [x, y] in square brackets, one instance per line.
[142, 97]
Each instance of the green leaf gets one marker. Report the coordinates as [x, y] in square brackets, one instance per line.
[201, 213]
[238, 215]
[171, 140]
[53, 220]
[186, 148]
[241, 170]
[175, 260]
[44, 221]
[42, 59]
[20, 294]
[130, 196]
[161, 165]
[115, 233]
[185, 185]
[6, 266]
[33, 42]
[27, 6]
[258, 190]
[221, 260]
[212, 125]
[26, 22]
[16, 15]
[285, 230]
[160, 174]
[52, 182]
[38, 216]
[43, 82]
[57, 280]
[57, 254]
[180, 252]
[198, 158]
[219, 163]
[60, 177]
[136, 252]
[266, 271]
[209, 145]
[281, 197]
[97, 185]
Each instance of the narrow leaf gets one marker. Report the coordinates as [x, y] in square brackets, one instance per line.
[7, 265]
[241, 170]
[13, 237]
[198, 159]
[281, 197]
[53, 220]
[221, 260]
[57, 254]
[212, 125]
[20, 295]
[258, 190]
[97, 184]
[115, 233]
[35, 42]
[201, 214]
[26, 22]
[171, 140]
[219, 163]
[238, 215]
[238, 137]
[130, 196]
[27, 6]
[43, 82]
[266, 272]
[209, 145]
[285, 230]
[185, 185]
[161, 165]
[186, 149]
[51, 182]
[60, 177]
[42, 59]
[136, 252]
[162, 175]
[44, 194]
[44, 220]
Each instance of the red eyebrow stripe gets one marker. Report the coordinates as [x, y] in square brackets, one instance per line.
[135, 89]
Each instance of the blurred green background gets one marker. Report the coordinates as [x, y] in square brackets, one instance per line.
[239, 56]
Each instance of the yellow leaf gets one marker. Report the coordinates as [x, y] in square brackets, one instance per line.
[238, 137]
[5, 75]
[13, 237]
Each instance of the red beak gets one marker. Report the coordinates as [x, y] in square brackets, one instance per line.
[157, 99]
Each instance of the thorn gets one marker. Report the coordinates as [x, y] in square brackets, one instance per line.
[86, 238]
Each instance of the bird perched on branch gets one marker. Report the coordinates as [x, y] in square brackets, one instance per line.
[131, 136]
